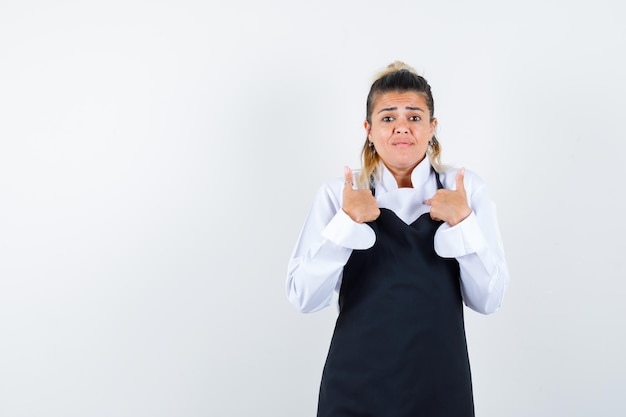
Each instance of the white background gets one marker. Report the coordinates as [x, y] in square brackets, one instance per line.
[157, 159]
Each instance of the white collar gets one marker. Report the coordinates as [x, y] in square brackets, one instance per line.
[420, 174]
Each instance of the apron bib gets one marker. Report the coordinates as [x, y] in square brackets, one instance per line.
[398, 348]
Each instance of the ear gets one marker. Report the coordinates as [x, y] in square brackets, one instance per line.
[433, 125]
[367, 127]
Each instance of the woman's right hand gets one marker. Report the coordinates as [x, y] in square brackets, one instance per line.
[360, 205]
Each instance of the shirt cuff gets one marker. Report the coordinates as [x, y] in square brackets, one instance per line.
[461, 239]
[344, 231]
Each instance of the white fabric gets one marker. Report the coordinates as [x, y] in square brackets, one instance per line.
[329, 236]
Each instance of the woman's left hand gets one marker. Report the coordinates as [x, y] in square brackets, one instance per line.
[450, 205]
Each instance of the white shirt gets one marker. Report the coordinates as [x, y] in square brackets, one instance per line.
[329, 236]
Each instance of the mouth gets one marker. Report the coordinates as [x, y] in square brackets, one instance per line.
[402, 144]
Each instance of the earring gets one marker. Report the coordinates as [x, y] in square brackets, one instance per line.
[433, 141]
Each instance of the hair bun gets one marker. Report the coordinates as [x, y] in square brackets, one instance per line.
[394, 67]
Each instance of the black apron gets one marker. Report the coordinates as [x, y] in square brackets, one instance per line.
[399, 345]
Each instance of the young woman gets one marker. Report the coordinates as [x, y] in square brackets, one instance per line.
[405, 244]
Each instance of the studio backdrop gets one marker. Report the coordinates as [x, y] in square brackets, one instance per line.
[157, 160]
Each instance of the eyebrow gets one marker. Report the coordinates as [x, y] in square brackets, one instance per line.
[395, 108]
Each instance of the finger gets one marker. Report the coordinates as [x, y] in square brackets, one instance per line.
[429, 201]
[460, 176]
[348, 176]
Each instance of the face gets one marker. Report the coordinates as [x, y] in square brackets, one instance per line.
[400, 129]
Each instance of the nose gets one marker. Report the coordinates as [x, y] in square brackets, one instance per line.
[401, 128]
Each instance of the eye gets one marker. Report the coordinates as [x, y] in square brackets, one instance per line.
[388, 119]
[415, 118]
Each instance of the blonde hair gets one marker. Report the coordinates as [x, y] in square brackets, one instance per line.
[401, 77]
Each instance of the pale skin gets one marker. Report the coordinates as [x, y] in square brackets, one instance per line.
[400, 130]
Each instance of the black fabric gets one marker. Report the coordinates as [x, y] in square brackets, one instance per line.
[399, 345]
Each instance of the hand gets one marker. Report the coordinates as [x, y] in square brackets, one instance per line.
[450, 205]
[360, 205]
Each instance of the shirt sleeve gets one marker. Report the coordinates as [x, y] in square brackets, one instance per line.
[477, 245]
[324, 245]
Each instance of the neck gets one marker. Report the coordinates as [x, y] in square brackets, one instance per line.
[402, 176]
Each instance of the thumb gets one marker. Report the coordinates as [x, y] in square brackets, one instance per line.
[460, 176]
[348, 176]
